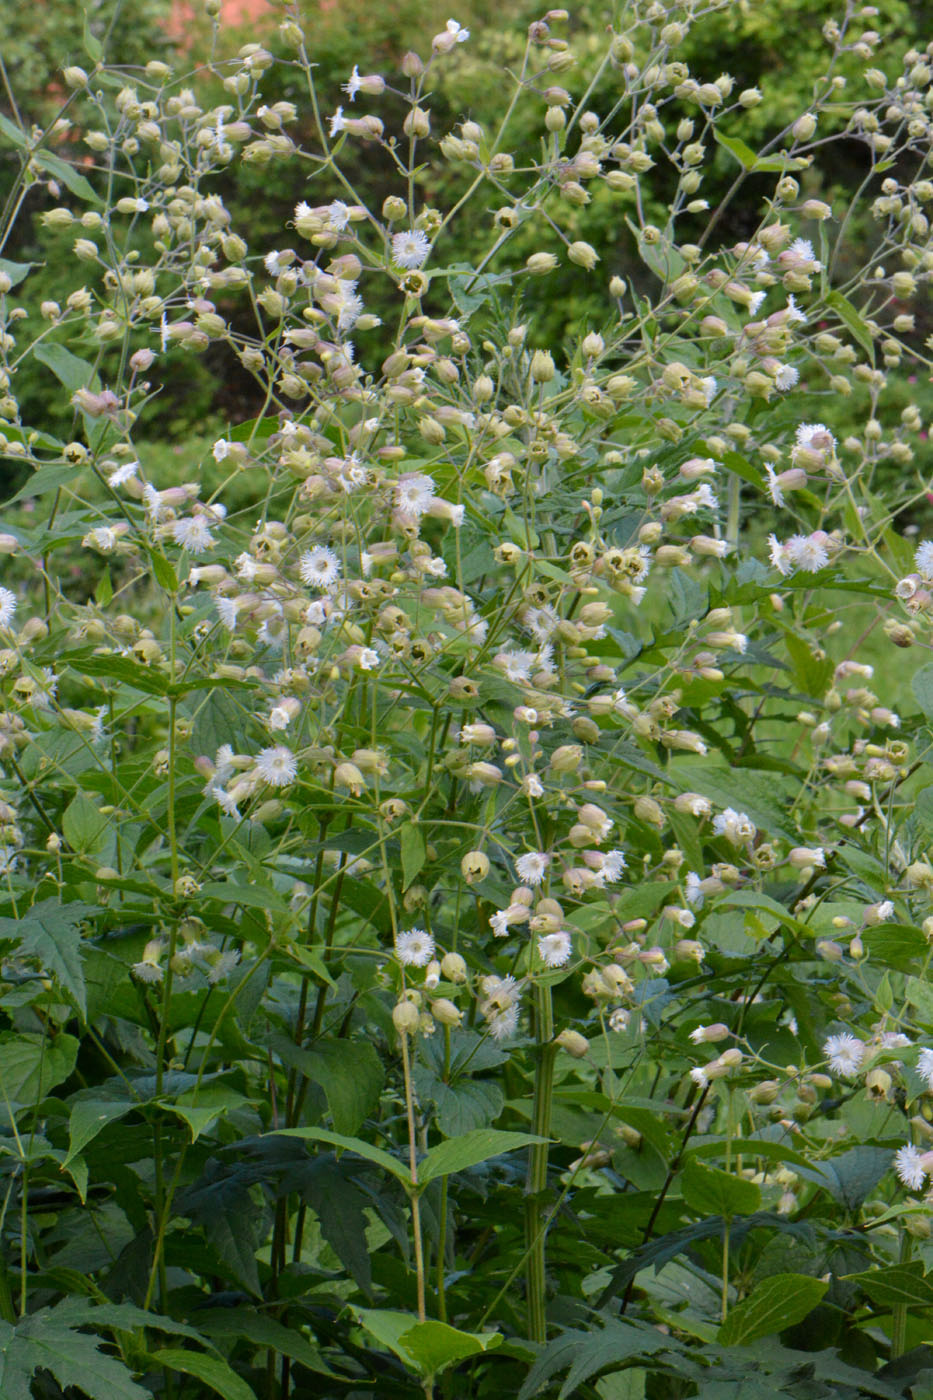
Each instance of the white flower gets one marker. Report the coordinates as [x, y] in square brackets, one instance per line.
[709, 386]
[774, 487]
[692, 891]
[277, 262]
[516, 664]
[532, 867]
[909, 1166]
[337, 122]
[277, 766]
[220, 449]
[415, 948]
[303, 210]
[754, 302]
[532, 786]
[460, 34]
[353, 84]
[793, 312]
[925, 1066]
[737, 827]
[163, 332]
[368, 659]
[103, 539]
[699, 1076]
[503, 1024]
[222, 966]
[541, 622]
[845, 1054]
[612, 865]
[227, 609]
[410, 248]
[786, 377]
[554, 949]
[815, 437]
[923, 558]
[123, 474]
[884, 910]
[225, 802]
[808, 552]
[414, 492]
[193, 533]
[319, 567]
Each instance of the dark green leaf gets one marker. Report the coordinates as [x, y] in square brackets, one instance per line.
[901, 1284]
[210, 1370]
[776, 1303]
[456, 1154]
[709, 1191]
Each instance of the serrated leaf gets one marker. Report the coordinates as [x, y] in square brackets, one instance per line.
[776, 1303]
[42, 1341]
[50, 933]
[709, 1191]
[31, 1065]
[586, 1353]
[900, 1285]
[210, 1370]
[459, 1153]
[350, 1073]
[83, 825]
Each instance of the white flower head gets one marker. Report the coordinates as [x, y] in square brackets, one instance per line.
[910, 1167]
[923, 558]
[319, 567]
[193, 533]
[221, 449]
[352, 86]
[554, 949]
[786, 377]
[410, 248]
[414, 492]
[532, 867]
[8, 604]
[414, 948]
[737, 827]
[337, 122]
[277, 766]
[925, 1066]
[122, 474]
[845, 1054]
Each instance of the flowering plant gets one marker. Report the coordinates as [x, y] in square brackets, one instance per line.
[461, 812]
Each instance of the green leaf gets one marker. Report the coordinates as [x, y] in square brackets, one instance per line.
[351, 1144]
[456, 1154]
[852, 1176]
[88, 1118]
[922, 686]
[163, 571]
[122, 670]
[903, 1285]
[776, 1303]
[202, 1107]
[16, 271]
[852, 321]
[50, 933]
[83, 825]
[14, 133]
[51, 478]
[92, 45]
[44, 1341]
[414, 851]
[31, 1065]
[709, 1191]
[350, 1073]
[742, 153]
[60, 170]
[427, 1347]
[71, 371]
[263, 1331]
[210, 1370]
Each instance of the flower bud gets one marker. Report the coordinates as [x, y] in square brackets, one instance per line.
[584, 254]
[574, 1043]
[445, 1012]
[474, 866]
[405, 1017]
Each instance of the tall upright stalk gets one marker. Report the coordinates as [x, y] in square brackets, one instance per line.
[536, 1183]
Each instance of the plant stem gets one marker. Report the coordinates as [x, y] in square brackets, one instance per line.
[413, 1189]
[899, 1310]
[535, 1237]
